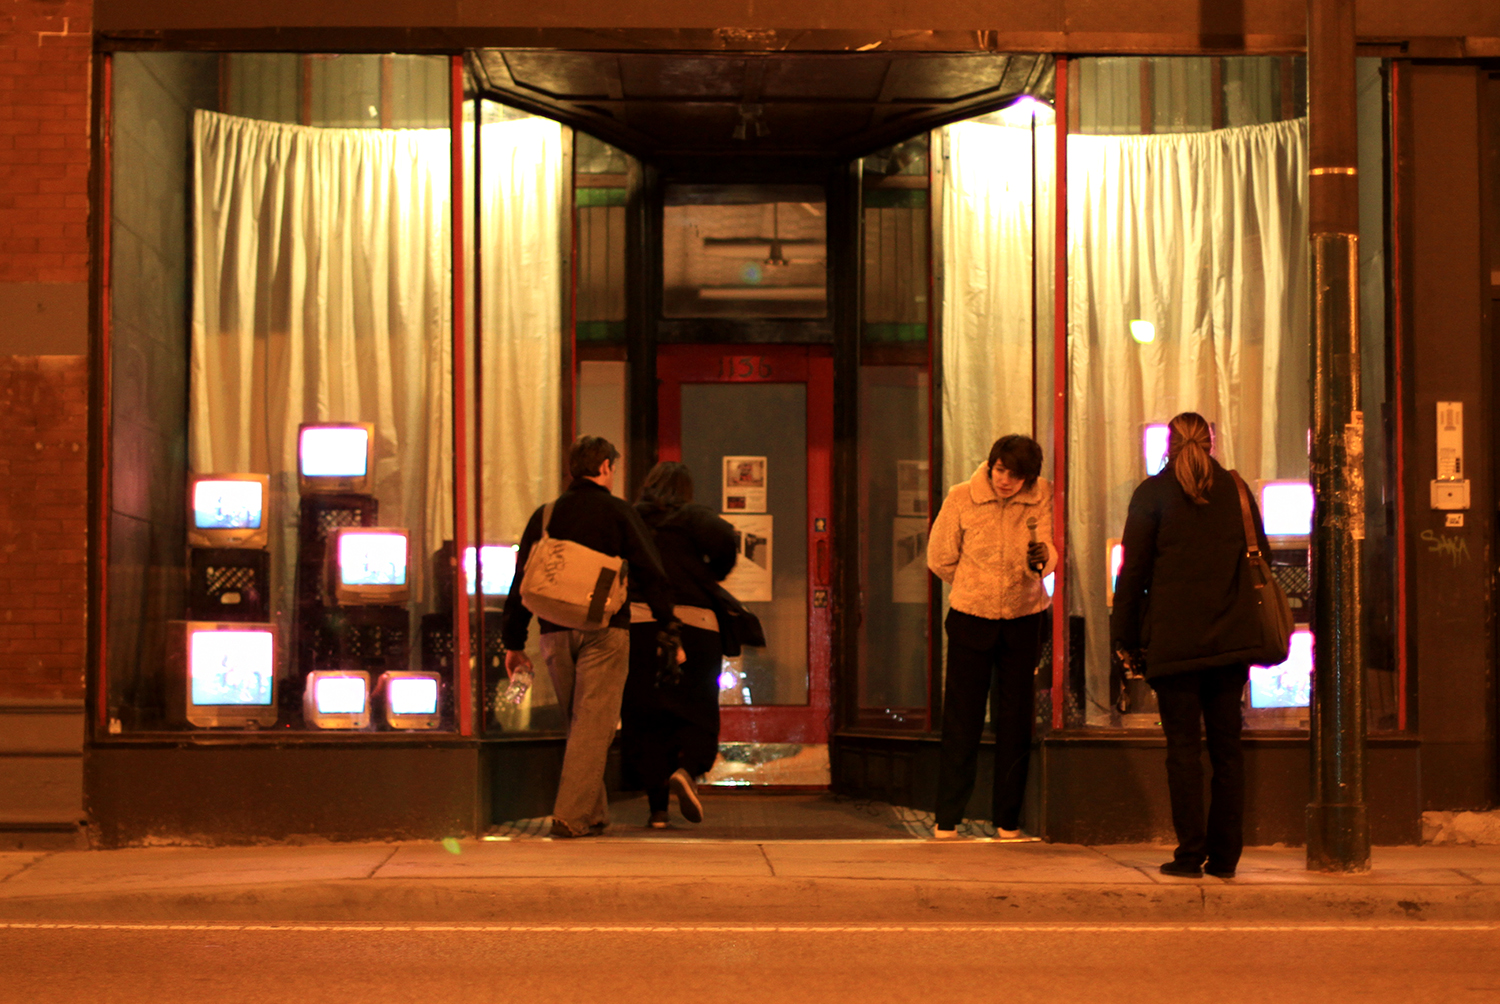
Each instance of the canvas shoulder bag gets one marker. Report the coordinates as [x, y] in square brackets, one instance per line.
[571, 585]
[1272, 611]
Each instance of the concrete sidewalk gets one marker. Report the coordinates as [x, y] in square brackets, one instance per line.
[619, 880]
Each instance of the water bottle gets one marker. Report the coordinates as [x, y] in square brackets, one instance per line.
[520, 683]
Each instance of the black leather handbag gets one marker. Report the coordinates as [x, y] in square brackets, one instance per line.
[1270, 607]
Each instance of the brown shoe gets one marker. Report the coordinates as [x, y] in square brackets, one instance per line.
[561, 830]
[658, 821]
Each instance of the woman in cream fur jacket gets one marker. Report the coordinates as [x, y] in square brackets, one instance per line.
[992, 541]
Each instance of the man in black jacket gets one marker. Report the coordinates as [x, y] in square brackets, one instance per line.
[588, 668]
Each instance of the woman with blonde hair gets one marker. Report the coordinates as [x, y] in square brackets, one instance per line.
[1179, 618]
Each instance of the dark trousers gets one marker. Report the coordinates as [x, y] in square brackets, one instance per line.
[1192, 703]
[997, 657]
[664, 727]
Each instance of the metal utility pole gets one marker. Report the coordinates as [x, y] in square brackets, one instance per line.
[1338, 830]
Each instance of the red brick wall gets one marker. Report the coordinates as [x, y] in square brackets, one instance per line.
[43, 501]
[44, 140]
[44, 205]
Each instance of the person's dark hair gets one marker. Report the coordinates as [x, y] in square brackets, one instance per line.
[1190, 440]
[668, 486]
[587, 453]
[1021, 455]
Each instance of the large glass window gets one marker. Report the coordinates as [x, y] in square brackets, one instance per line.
[280, 390]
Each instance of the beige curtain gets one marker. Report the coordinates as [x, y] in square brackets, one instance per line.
[321, 292]
[988, 245]
[1205, 236]
[521, 212]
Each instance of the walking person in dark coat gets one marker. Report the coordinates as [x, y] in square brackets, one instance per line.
[1180, 617]
[670, 716]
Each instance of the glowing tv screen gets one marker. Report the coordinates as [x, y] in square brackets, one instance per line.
[1154, 448]
[1286, 508]
[411, 699]
[1288, 685]
[412, 695]
[334, 457]
[337, 699]
[372, 558]
[499, 568]
[231, 667]
[228, 510]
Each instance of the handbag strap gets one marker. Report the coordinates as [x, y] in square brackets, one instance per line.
[547, 518]
[1252, 540]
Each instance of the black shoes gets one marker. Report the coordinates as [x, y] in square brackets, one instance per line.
[681, 783]
[1218, 871]
[1182, 869]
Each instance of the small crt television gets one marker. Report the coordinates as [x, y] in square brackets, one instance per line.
[230, 674]
[499, 566]
[337, 699]
[228, 510]
[411, 700]
[368, 566]
[1288, 685]
[1286, 510]
[335, 457]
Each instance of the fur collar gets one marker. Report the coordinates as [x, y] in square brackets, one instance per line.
[981, 491]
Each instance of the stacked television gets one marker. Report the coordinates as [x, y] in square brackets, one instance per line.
[350, 627]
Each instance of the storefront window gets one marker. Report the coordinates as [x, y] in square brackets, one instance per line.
[1188, 291]
[523, 226]
[894, 466]
[280, 387]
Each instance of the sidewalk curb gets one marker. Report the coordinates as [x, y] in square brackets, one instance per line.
[531, 901]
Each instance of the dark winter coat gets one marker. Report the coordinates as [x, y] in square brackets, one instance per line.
[1179, 594]
[697, 547]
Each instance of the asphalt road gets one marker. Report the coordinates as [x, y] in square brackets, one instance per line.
[1058, 964]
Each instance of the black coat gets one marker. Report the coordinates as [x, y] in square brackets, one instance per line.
[697, 547]
[1179, 596]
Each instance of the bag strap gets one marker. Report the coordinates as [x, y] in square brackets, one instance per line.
[547, 517]
[1252, 541]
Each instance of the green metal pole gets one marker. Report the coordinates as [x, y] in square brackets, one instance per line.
[1338, 829]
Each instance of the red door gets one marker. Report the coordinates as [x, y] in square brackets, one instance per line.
[755, 426]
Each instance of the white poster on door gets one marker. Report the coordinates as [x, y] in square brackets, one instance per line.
[744, 483]
[909, 559]
[750, 582]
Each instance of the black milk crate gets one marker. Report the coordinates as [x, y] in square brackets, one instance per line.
[319, 516]
[437, 643]
[229, 584]
[377, 639]
[1292, 570]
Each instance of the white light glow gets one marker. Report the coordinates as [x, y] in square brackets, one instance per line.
[1154, 447]
[231, 667]
[728, 679]
[499, 568]
[227, 505]
[1286, 508]
[372, 559]
[1116, 559]
[412, 695]
[340, 695]
[334, 452]
[1143, 331]
[1288, 685]
[1049, 582]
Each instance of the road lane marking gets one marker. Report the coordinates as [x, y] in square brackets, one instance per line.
[1120, 928]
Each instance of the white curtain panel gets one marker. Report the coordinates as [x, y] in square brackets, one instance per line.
[521, 212]
[321, 292]
[1205, 236]
[987, 276]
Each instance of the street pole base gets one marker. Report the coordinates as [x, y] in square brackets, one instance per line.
[1338, 838]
